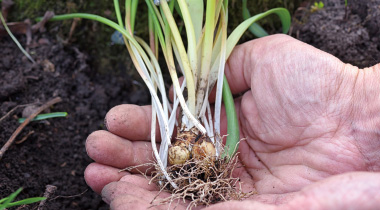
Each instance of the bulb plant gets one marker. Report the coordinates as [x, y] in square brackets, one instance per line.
[194, 160]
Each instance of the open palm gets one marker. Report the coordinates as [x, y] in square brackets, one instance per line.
[299, 122]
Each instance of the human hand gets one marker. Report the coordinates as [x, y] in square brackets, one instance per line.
[308, 123]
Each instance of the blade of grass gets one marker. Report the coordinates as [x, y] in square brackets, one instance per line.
[45, 116]
[11, 197]
[15, 40]
[26, 201]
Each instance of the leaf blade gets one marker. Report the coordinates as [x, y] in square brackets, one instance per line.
[234, 37]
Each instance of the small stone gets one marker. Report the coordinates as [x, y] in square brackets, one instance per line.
[29, 110]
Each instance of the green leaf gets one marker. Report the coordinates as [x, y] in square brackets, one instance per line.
[10, 198]
[26, 201]
[233, 137]
[2, 200]
[255, 28]
[321, 5]
[282, 13]
[196, 9]
[6, 202]
[45, 116]
[133, 13]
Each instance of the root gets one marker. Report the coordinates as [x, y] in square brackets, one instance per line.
[201, 182]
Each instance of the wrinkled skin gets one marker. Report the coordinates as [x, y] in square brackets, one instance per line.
[310, 123]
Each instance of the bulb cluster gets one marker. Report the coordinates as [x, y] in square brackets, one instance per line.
[190, 145]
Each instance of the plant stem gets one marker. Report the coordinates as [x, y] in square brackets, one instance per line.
[206, 56]
[219, 89]
[185, 61]
[133, 13]
[191, 39]
[232, 142]
[118, 14]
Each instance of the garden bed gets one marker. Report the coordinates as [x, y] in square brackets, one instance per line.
[54, 150]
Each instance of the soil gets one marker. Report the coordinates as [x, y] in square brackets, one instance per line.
[352, 34]
[55, 153]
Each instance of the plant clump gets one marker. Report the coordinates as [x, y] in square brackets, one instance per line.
[192, 165]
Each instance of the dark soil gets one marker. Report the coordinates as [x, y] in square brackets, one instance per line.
[55, 153]
[352, 34]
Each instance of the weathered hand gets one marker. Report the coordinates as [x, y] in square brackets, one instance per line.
[309, 123]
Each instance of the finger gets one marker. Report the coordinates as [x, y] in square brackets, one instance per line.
[97, 176]
[241, 205]
[121, 194]
[131, 122]
[127, 201]
[134, 202]
[355, 190]
[109, 149]
[116, 189]
[140, 181]
[249, 57]
[243, 60]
